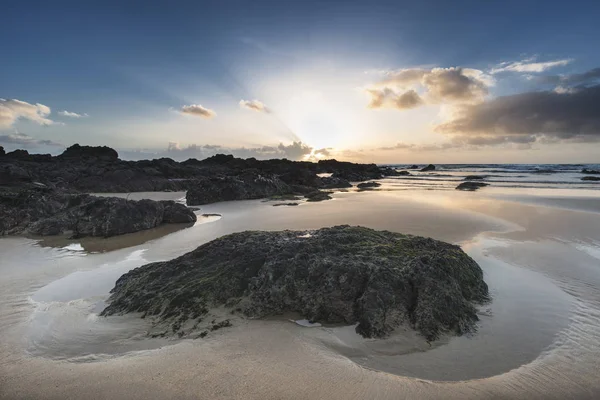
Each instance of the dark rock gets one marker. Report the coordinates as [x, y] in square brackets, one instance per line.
[249, 185]
[591, 178]
[47, 212]
[18, 154]
[317, 195]
[285, 204]
[590, 171]
[387, 171]
[352, 275]
[475, 177]
[471, 186]
[414, 166]
[368, 185]
[430, 167]
[77, 151]
[334, 183]
[2, 152]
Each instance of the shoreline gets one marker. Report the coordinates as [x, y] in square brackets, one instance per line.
[284, 350]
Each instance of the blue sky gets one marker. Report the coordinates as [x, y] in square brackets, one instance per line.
[128, 70]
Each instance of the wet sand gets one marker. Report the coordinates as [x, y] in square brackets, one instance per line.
[539, 338]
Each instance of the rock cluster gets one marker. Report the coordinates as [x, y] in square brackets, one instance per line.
[378, 280]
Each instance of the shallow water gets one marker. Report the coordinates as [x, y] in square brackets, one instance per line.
[539, 336]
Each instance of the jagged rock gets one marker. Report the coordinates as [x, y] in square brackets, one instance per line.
[471, 186]
[248, 185]
[590, 178]
[378, 280]
[334, 183]
[317, 195]
[590, 171]
[430, 167]
[368, 185]
[77, 151]
[44, 212]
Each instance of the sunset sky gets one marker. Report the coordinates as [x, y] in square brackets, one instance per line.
[377, 81]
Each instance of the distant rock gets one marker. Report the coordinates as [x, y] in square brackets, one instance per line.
[414, 166]
[334, 183]
[285, 204]
[591, 178]
[430, 167]
[475, 177]
[317, 195]
[18, 154]
[471, 186]
[77, 151]
[248, 185]
[368, 185]
[378, 280]
[590, 171]
[387, 171]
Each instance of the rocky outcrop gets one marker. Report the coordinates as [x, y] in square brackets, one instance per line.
[430, 167]
[471, 186]
[368, 185]
[387, 171]
[317, 195]
[590, 171]
[378, 280]
[475, 177]
[248, 185]
[591, 178]
[44, 212]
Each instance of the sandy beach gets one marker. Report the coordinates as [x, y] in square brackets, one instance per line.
[538, 338]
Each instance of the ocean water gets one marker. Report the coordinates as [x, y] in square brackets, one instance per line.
[548, 176]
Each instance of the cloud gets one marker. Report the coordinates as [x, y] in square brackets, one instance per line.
[586, 78]
[25, 140]
[12, 110]
[388, 98]
[409, 88]
[528, 65]
[198, 110]
[254, 105]
[293, 151]
[70, 114]
[521, 118]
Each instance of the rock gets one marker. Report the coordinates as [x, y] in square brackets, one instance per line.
[387, 171]
[475, 177]
[77, 151]
[334, 183]
[414, 166]
[45, 212]
[430, 167]
[18, 154]
[2, 152]
[471, 186]
[591, 178]
[368, 185]
[590, 171]
[250, 184]
[378, 280]
[285, 204]
[317, 195]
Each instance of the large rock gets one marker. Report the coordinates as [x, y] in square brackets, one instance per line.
[248, 185]
[471, 186]
[47, 212]
[430, 167]
[378, 280]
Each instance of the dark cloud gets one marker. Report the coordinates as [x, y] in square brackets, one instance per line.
[586, 78]
[571, 115]
[24, 140]
[198, 111]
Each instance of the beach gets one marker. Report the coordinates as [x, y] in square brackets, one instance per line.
[538, 338]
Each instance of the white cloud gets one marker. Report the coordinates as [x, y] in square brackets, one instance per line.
[12, 110]
[529, 65]
[198, 110]
[70, 114]
[254, 105]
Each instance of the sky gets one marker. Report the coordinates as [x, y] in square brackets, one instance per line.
[378, 81]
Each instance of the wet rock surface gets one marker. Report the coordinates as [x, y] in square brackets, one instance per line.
[378, 280]
[45, 212]
[471, 185]
[368, 185]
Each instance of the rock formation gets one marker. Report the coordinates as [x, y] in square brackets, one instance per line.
[378, 280]
[471, 186]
